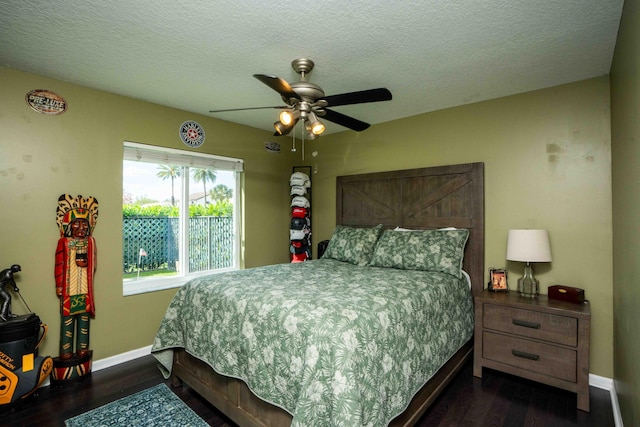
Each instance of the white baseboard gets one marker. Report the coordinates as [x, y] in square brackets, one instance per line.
[608, 384]
[120, 358]
[600, 382]
[113, 360]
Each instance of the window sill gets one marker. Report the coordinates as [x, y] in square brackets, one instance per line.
[137, 287]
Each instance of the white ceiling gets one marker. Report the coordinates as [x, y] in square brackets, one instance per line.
[199, 55]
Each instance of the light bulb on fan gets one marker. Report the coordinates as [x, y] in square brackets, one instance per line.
[317, 127]
[286, 117]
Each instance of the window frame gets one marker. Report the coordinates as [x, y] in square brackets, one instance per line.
[133, 151]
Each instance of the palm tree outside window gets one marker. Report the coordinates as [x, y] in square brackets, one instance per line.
[204, 175]
[173, 172]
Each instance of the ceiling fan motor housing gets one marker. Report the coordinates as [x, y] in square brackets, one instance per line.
[308, 91]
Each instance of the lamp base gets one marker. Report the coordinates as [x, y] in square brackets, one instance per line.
[528, 286]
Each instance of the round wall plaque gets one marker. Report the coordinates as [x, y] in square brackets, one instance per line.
[191, 133]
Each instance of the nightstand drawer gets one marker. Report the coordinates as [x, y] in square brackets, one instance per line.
[532, 324]
[537, 357]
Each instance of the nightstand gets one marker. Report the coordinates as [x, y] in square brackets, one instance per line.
[540, 339]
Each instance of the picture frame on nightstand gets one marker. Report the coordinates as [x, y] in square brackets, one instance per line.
[498, 280]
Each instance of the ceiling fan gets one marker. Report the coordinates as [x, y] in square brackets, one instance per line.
[306, 101]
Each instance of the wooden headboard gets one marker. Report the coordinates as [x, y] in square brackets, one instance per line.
[426, 198]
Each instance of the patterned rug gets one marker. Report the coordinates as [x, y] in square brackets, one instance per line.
[156, 406]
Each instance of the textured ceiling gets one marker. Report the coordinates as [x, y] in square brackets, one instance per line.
[199, 55]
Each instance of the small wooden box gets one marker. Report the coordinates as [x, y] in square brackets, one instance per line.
[566, 293]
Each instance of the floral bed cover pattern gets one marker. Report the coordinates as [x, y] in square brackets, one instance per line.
[330, 342]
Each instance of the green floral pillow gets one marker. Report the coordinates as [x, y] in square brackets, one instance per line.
[428, 250]
[353, 245]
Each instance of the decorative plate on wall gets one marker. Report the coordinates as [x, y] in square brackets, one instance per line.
[46, 102]
[191, 133]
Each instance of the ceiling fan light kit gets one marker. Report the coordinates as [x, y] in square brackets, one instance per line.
[306, 101]
[287, 117]
[317, 127]
[282, 129]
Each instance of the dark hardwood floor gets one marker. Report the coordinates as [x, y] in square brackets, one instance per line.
[496, 400]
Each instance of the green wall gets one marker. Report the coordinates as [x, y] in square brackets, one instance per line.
[625, 136]
[80, 152]
[547, 165]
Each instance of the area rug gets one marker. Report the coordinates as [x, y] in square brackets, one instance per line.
[155, 406]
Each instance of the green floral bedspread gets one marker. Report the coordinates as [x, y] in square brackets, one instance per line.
[332, 343]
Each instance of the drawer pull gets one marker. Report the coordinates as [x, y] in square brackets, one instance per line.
[525, 355]
[526, 324]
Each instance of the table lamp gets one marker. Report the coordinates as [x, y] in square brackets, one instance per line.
[528, 246]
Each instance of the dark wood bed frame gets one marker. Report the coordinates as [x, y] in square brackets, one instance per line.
[426, 198]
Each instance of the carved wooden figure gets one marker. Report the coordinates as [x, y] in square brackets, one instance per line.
[75, 267]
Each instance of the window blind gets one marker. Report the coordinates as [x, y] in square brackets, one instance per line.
[137, 152]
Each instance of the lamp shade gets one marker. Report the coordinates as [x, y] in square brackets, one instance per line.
[528, 246]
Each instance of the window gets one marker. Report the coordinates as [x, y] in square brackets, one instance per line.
[181, 216]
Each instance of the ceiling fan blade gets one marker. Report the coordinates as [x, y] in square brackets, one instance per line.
[344, 120]
[277, 84]
[360, 97]
[249, 108]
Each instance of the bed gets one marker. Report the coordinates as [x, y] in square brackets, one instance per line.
[343, 340]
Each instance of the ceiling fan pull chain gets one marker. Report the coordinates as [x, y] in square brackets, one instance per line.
[293, 146]
[303, 129]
